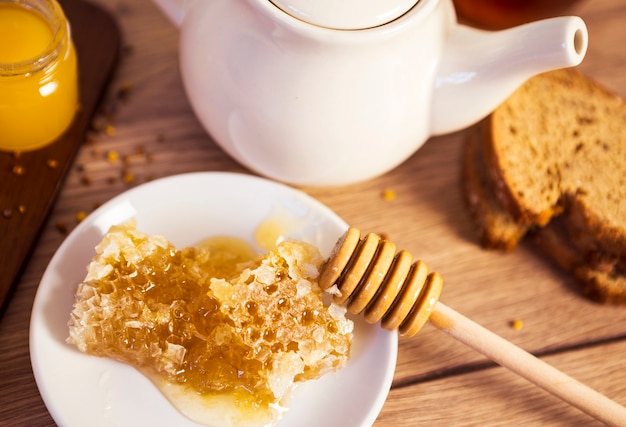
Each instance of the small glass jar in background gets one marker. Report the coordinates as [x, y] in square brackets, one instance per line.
[38, 74]
[500, 14]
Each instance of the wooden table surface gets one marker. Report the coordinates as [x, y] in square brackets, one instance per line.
[146, 120]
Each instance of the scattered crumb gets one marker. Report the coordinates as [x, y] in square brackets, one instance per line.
[389, 195]
[21, 209]
[18, 170]
[128, 177]
[517, 324]
[80, 216]
[97, 124]
[61, 227]
[124, 91]
[52, 163]
[113, 156]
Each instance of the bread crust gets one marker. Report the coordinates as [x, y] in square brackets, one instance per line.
[555, 151]
[564, 153]
[600, 284]
[497, 229]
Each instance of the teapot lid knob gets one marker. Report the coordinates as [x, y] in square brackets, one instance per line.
[345, 14]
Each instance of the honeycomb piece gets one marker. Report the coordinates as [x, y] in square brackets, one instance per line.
[210, 321]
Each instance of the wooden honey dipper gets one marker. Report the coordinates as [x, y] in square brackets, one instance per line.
[388, 286]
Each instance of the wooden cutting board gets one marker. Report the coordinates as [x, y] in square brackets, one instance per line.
[29, 182]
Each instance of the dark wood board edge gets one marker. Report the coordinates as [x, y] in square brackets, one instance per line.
[26, 198]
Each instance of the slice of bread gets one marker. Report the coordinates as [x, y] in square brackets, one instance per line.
[560, 141]
[600, 284]
[497, 229]
[555, 148]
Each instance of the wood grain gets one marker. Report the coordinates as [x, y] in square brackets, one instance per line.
[438, 381]
[496, 397]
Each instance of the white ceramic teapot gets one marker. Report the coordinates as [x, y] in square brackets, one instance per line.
[331, 92]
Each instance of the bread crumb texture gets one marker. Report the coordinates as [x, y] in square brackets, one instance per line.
[254, 331]
[554, 166]
[559, 142]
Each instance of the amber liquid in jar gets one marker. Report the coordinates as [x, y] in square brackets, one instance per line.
[500, 14]
[38, 74]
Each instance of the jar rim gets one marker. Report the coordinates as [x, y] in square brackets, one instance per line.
[346, 14]
[53, 14]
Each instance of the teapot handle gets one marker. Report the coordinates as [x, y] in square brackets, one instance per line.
[175, 10]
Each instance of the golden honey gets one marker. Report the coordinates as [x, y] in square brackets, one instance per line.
[214, 319]
[500, 14]
[38, 74]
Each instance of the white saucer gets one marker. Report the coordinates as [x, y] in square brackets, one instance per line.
[81, 390]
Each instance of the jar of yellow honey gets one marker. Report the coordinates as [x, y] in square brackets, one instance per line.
[501, 14]
[38, 74]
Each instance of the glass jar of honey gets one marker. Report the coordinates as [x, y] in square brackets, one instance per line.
[38, 74]
[501, 14]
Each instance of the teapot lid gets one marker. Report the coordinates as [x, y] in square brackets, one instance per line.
[345, 14]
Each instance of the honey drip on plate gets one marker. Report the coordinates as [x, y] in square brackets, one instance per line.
[215, 328]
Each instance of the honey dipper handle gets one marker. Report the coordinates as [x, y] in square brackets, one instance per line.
[527, 366]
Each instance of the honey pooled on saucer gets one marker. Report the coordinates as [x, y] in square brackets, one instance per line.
[223, 337]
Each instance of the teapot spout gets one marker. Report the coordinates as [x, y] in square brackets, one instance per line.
[480, 69]
[175, 10]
